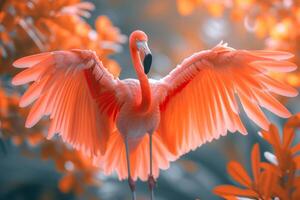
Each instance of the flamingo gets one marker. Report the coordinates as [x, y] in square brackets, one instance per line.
[137, 126]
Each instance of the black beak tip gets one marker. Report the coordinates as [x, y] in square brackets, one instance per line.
[147, 63]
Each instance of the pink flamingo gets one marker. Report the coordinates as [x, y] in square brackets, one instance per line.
[120, 122]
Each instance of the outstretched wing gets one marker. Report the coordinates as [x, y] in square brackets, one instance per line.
[78, 93]
[200, 103]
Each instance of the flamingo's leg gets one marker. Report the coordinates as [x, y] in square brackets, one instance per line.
[131, 182]
[151, 180]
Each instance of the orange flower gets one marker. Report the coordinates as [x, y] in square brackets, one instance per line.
[278, 177]
[260, 187]
[284, 162]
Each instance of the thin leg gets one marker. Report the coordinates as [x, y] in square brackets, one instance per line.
[151, 180]
[131, 182]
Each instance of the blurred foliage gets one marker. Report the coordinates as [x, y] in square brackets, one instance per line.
[28, 27]
[32, 26]
[277, 178]
[271, 20]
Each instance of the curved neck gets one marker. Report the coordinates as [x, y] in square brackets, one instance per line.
[144, 83]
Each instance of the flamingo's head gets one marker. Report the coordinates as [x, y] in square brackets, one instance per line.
[140, 41]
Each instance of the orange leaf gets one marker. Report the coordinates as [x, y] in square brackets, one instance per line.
[255, 161]
[296, 194]
[272, 136]
[297, 182]
[239, 174]
[228, 190]
[266, 183]
[295, 148]
[266, 136]
[280, 192]
[270, 167]
[294, 121]
[288, 136]
[66, 183]
[297, 161]
[230, 198]
[275, 135]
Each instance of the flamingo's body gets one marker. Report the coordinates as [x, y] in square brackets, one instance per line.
[115, 120]
[133, 124]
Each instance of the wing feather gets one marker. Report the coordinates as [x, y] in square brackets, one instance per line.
[33, 73]
[253, 111]
[273, 55]
[200, 103]
[67, 86]
[33, 92]
[30, 61]
[269, 102]
[275, 66]
[278, 87]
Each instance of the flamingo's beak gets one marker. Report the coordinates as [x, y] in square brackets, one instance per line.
[147, 61]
